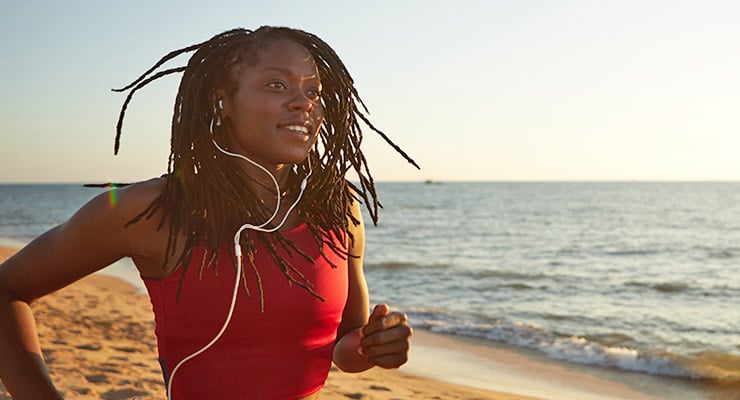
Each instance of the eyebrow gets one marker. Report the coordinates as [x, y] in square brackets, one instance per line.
[289, 72]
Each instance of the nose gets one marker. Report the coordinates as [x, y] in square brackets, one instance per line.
[301, 102]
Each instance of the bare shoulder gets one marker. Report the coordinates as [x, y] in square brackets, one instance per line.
[94, 237]
[113, 209]
[133, 203]
[136, 196]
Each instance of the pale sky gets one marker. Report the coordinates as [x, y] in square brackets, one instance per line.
[474, 90]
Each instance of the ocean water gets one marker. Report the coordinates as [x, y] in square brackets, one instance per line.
[642, 277]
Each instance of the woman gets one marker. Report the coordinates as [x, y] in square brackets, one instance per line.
[250, 247]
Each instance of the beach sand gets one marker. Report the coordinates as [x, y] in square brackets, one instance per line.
[98, 340]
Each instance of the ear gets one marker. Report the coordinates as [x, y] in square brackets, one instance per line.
[218, 99]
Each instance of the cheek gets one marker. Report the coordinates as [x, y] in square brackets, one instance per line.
[247, 119]
[319, 125]
[318, 115]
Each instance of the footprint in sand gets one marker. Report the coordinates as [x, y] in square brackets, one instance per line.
[81, 390]
[90, 346]
[108, 370]
[122, 394]
[100, 378]
[126, 349]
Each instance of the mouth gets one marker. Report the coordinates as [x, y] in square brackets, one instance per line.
[297, 128]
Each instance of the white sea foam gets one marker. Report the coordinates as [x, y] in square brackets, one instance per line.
[572, 349]
[580, 350]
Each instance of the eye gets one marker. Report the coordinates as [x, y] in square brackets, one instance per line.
[277, 85]
[313, 93]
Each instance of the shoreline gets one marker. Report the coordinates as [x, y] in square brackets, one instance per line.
[524, 372]
[98, 340]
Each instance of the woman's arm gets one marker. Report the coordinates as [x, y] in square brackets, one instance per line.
[91, 239]
[381, 338]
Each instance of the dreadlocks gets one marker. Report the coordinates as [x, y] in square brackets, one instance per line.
[205, 198]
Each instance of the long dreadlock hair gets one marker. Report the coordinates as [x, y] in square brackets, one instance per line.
[205, 199]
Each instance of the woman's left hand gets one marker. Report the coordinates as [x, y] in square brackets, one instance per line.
[386, 338]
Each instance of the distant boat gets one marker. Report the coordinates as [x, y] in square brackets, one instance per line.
[431, 182]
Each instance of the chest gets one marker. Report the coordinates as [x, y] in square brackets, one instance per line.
[297, 302]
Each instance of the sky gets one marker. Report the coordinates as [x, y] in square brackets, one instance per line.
[494, 90]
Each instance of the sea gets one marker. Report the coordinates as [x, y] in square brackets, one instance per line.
[642, 277]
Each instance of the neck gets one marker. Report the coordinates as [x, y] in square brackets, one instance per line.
[262, 183]
[282, 202]
[263, 178]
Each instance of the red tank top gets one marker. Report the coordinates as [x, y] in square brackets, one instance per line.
[282, 353]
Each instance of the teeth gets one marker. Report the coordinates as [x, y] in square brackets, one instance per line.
[298, 128]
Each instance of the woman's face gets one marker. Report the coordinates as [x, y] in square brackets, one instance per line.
[275, 114]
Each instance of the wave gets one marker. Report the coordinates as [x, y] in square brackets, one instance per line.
[519, 286]
[396, 265]
[724, 254]
[510, 275]
[609, 353]
[722, 366]
[416, 207]
[678, 287]
[392, 265]
[717, 253]
[663, 287]
[627, 253]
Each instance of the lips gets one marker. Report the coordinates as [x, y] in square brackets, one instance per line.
[304, 128]
[298, 128]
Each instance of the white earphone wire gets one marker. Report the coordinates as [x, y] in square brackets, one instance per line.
[238, 252]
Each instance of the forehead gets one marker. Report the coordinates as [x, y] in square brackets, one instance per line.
[284, 54]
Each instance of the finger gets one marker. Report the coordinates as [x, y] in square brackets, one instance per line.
[400, 332]
[391, 361]
[391, 355]
[380, 310]
[400, 346]
[383, 323]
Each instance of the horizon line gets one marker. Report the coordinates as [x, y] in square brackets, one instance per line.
[426, 181]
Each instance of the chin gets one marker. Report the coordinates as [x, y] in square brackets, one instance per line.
[296, 158]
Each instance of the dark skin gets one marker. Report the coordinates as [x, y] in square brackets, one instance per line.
[56, 259]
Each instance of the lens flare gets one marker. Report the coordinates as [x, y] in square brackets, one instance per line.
[112, 198]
